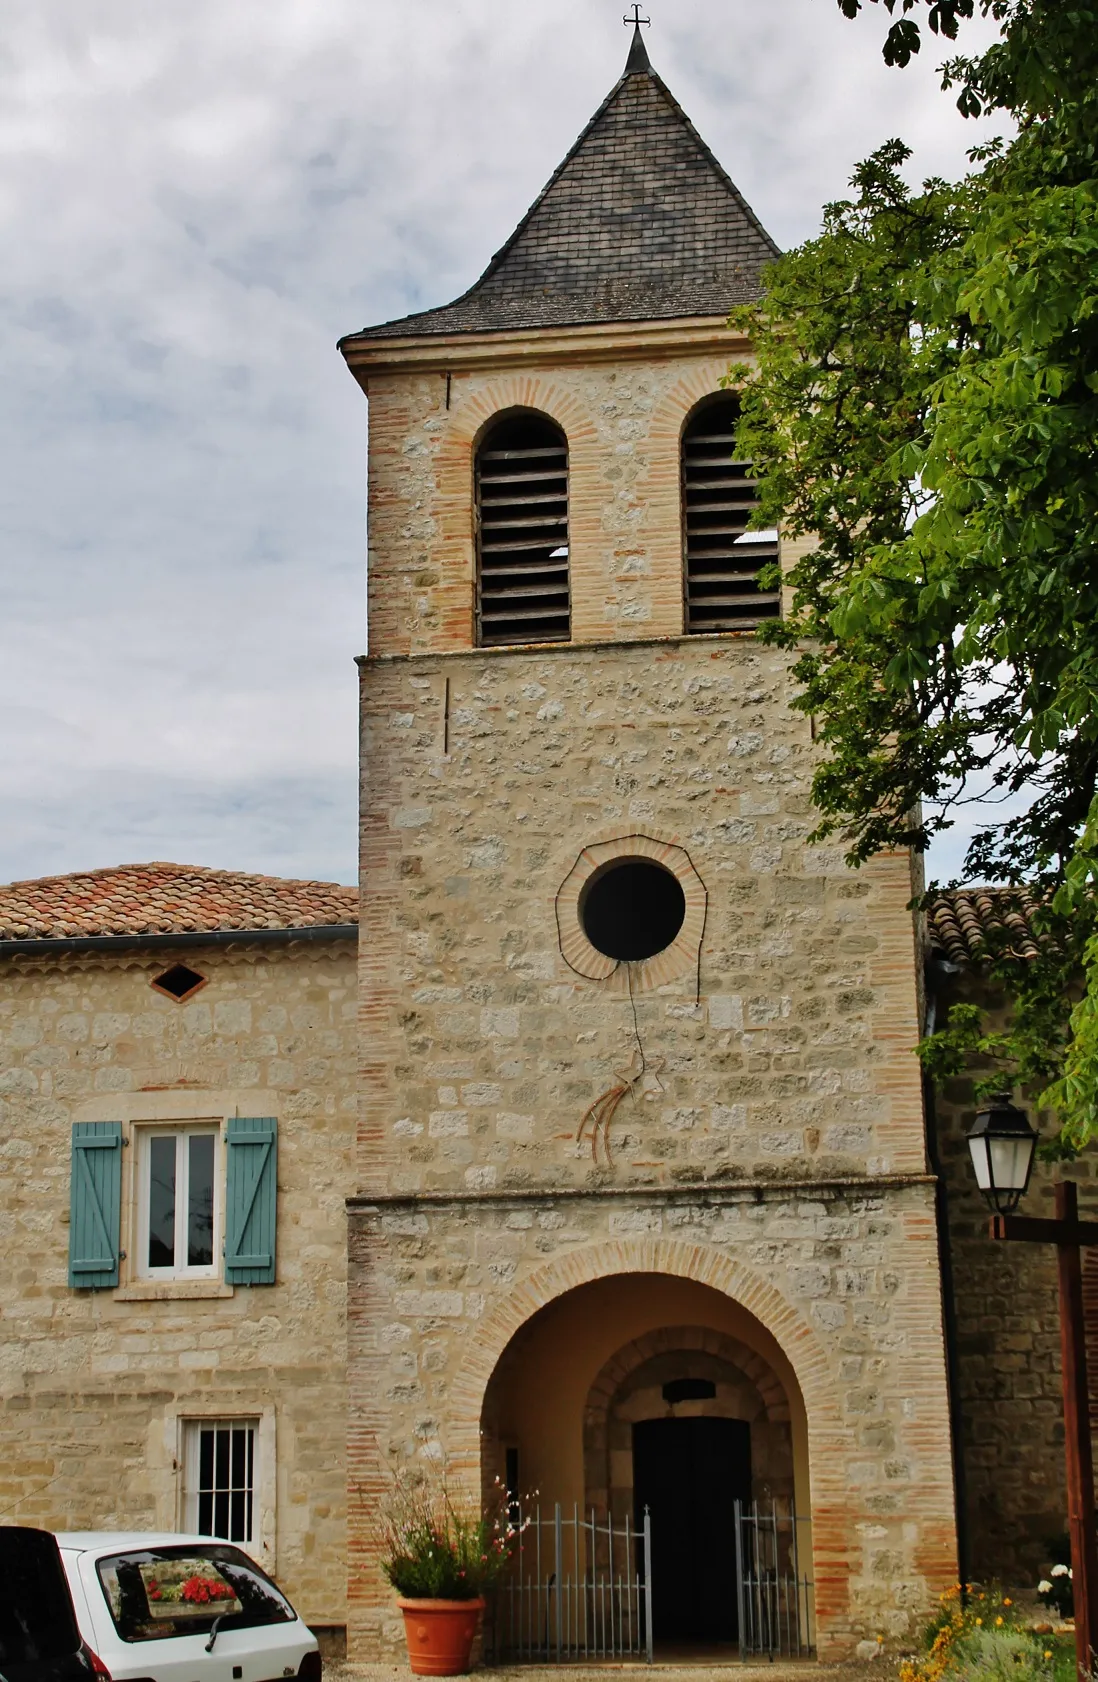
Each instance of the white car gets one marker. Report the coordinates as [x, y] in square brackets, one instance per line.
[164, 1608]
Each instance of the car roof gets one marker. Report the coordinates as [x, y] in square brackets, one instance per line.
[118, 1541]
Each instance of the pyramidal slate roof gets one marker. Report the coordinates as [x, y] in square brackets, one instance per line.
[639, 223]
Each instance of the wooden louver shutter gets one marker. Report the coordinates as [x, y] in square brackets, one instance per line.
[522, 534]
[95, 1205]
[722, 557]
[251, 1196]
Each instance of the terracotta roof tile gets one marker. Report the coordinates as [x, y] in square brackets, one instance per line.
[167, 899]
[972, 925]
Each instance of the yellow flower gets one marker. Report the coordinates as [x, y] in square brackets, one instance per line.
[1008, 1601]
[1048, 1654]
[979, 1621]
[998, 1623]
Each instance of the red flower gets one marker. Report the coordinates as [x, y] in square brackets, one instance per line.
[201, 1590]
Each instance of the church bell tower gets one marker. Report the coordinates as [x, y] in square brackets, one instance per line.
[641, 1139]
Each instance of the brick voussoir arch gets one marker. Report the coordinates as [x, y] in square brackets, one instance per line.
[685, 1339]
[829, 1439]
[678, 404]
[599, 1481]
[517, 391]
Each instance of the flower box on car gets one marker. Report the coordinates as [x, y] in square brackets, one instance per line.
[184, 1609]
[178, 1591]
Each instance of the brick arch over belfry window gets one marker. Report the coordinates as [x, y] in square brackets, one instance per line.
[523, 590]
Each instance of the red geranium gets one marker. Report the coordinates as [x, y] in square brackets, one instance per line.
[201, 1590]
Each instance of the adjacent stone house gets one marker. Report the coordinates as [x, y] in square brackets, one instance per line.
[177, 1100]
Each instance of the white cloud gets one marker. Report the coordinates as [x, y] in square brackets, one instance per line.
[197, 200]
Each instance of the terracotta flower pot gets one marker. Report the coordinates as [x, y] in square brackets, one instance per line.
[440, 1634]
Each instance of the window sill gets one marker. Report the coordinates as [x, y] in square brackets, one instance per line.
[173, 1290]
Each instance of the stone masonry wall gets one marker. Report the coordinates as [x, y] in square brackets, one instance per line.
[789, 1070]
[93, 1383]
[484, 1049]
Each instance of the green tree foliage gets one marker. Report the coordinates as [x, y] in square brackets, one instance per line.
[904, 37]
[924, 414]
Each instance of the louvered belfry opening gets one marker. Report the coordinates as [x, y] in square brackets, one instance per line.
[522, 533]
[722, 557]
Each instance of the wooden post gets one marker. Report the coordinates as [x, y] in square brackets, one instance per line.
[1080, 1469]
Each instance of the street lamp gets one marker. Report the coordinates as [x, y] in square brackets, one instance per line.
[1002, 1143]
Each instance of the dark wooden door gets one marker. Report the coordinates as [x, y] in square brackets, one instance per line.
[688, 1472]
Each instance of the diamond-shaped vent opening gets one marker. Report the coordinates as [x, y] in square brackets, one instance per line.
[179, 982]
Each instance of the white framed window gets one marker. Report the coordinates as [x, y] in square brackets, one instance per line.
[221, 1479]
[179, 1177]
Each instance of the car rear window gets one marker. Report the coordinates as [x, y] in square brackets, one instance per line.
[37, 1624]
[154, 1593]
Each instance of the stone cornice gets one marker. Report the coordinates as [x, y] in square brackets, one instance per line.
[538, 649]
[617, 341]
[699, 1191]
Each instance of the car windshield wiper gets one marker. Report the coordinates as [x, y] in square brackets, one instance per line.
[214, 1627]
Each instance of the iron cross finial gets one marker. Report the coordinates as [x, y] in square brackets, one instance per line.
[636, 20]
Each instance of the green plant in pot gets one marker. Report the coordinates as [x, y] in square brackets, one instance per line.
[442, 1557]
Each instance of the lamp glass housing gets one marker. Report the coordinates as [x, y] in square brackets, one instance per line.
[1002, 1144]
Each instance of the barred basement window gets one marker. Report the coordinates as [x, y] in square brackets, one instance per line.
[522, 533]
[219, 1479]
[722, 557]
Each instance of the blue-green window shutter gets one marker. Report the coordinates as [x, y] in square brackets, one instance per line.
[251, 1197]
[95, 1205]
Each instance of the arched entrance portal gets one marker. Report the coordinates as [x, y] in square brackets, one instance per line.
[645, 1390]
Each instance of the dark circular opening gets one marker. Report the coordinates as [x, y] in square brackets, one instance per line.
[632, 910]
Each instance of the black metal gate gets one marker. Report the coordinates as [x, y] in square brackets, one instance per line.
[579, 1587]
[775, 1597]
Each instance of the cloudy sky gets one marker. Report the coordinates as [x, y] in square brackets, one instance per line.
[198, 198]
